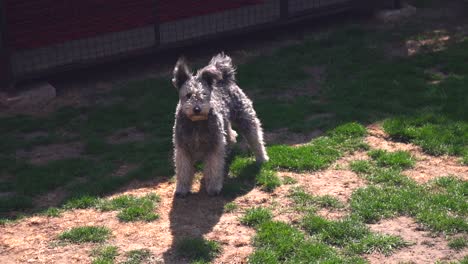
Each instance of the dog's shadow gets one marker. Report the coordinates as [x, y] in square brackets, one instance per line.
[197, 214]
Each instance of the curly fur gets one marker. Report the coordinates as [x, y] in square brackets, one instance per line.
[210, 104]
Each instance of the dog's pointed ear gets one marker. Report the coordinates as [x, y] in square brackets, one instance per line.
[210, 74]
[181, 73]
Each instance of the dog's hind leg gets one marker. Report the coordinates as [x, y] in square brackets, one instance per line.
[185, 171]
[231, 133]
[213, 170]
[250, 128]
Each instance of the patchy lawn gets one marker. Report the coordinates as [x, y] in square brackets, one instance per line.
[368, 150]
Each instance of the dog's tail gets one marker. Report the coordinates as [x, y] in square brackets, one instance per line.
[223, 63]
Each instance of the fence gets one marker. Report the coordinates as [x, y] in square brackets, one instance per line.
[43, 36]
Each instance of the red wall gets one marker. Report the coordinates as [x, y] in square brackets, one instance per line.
[36, 23]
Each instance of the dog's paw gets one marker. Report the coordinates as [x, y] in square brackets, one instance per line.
[261, 160]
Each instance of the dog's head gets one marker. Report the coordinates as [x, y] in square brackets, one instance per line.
[195, 89]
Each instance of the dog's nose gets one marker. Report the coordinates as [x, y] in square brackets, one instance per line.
[197, 109]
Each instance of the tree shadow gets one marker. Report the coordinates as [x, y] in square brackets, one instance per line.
[196, 215]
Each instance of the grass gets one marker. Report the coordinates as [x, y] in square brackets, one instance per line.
[319, 153]
[439, 205]
[360, 87]
[356, 88]
[83, 234]
[289, 180]
[361, 166]
[436, 134]
[256, 216]
[278, 242]
[197, 249]
[104, 254]
[53, 212]
[137, 256]
[130, 208]
[304, 200]
[230, 207]
[440, 211]
[351, 234]
[458, 243]
[398, 159]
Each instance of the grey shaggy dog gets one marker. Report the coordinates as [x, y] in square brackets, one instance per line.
[210, 104]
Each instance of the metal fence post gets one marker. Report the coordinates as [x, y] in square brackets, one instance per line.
[6, 82]
[284, 9]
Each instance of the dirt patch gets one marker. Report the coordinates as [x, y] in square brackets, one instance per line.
[126, 135]
[30, 240]
[427, 167]
[434, 41]
[44, 154]
[426, 248]
[50, 199]
[124, 170]
[35, 135]
[338, 183]
[312, 87]
[343, 163]
[332, 214]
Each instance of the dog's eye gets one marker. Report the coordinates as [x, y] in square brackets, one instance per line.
[188, 95]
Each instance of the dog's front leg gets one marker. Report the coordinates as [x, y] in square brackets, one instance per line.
[185, 171]
[214, 170]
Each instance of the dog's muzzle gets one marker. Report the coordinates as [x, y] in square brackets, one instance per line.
[195, 118]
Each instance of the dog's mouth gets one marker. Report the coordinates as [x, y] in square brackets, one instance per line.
[195, 118]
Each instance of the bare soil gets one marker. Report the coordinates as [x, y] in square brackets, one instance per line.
[34, 239]
[46, 153]
[131, 134]
[427, 167]
[425, 248]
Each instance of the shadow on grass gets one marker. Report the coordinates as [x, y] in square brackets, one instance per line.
[196, 215]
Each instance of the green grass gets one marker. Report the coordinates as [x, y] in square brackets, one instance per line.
[361, 166]
[137, 256]
[53, 212]
[306, 201]
[350, 234]
[256, 216]
[104, 254]
[397, 160]
[278, 242]
[86, 234]
[441, 210]
[197, 249]
[82, 202]
[458, 243]
[436, 134]
[289, 180]
[230, 207]
[133, 208]
[130, 208]
[320, 152]
[356, 88]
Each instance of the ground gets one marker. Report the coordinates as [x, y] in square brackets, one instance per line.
[366, 126]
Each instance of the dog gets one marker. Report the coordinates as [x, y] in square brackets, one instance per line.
[210, 104]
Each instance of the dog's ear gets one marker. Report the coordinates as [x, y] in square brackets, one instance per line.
[181, 73]
[210, 74]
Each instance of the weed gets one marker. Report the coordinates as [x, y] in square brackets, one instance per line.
[256, 216]
[86, 234]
